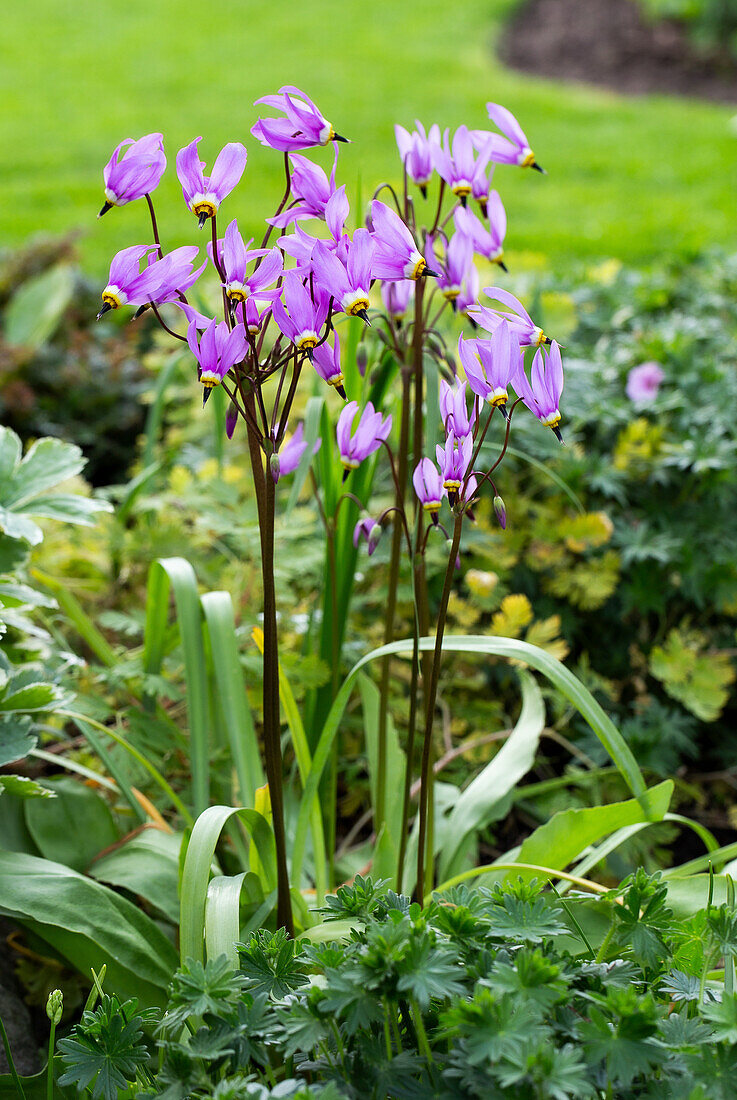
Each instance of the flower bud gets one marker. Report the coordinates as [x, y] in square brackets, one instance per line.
[275, 467]
[55, 1006]
[361, 360]
[500, 512]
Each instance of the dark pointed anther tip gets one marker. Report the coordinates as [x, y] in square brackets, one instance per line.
[537, 168]
[206, 395]
[140, 312]
[310, 354]
[548, 340]
[503, 266]
[430, 274]
[106, 307]
[363, 314]
[503, 411]
[464, 201]
[339, 390]
[558, 436]
[106, 206]
[345, 140]
[423, 190]
[201, 220]
[346, 474]
[435, 518]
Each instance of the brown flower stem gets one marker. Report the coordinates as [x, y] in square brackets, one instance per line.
[424, 859]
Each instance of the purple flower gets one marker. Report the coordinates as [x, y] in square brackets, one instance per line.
[127, 284]
[305, 319]
[231, 419]
[453, 410]
[134, 173]
[302, 127]
[311, 187]
[416, 151]
[203, 194]
[326, 361]
[469, 292]
[289, 457]
[455, 267]
[428, 483]
[395, 251]
[453, 461]
[396, 297]
[491, 365]
[372, 430]
[251, 315]
[234, 258]
[513, 148]
[216, 351]
[517, 317]
[643, 383]
[347, 282]
[459, 168]
[542, 393]
[368, 529]
[486, 242]
[173, 274]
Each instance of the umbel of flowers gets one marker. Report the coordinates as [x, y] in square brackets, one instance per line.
[283, 305]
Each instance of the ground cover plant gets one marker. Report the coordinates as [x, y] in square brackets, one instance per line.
[499, 991]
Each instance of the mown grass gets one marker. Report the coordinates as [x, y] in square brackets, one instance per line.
[631, 178]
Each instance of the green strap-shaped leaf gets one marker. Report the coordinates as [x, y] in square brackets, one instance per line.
[179, 575]
[198, 864]
[508, 648]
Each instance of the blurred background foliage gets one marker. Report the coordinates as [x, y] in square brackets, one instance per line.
[96, 75]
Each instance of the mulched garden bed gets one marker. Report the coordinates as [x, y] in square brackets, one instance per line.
[609, 42]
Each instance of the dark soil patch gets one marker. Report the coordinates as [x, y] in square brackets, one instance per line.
[609, 42]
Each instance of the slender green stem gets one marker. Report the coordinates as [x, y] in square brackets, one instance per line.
[11, 1063]
[332, 800]
[430, 697]
[422, 1039]
[411, 728]
[50, 1064]
[387, 1033]
[601, 954]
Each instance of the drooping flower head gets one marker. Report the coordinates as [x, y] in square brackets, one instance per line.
[216, 350]
[453, 461]
[542, 393]
[326, 361]
[428, 483]
[204, 194]
[349, 280]
[455, 267]
[370, 433]
[513, 148]
[235, 257]
[396, 297]
[486, 242]
[643, 383]
[310, 187]
[453, 409]
[416, 151]
[303, 127]
[460, 167]
[134, 173]
[395, 253]
[517, 317]
[306, 317]
[491, 365]
[368, 529]
[126, 282]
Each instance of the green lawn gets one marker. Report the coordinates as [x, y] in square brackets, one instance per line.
[632, 178]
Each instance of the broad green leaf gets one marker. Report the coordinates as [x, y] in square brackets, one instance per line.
[483, 799]
[47, 462]
[569, 833]
[73, 827]
[22, 786]
[89, 925]
[14, 594]
[13, 554]
[37, 307]
[29, 697]
[16, 739]
[222, 917]
[395, 762]
[146, 864]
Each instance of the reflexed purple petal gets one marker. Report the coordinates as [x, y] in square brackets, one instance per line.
[228, 169]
